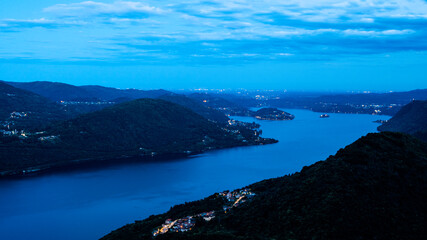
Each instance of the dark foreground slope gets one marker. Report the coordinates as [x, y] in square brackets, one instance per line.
[144, 127]
[375, 188]
[411, 119]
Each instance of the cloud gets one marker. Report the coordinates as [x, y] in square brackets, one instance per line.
[116, 9]
[226, 30]
[13, 25]
[390, 32]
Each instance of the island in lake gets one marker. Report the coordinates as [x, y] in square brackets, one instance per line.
[272, 114]
[324, 116]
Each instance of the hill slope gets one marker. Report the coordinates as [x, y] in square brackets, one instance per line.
[141, 127]
[151, 124]
[411, 119]
[56, 91]
[375, 188]
[31, 110]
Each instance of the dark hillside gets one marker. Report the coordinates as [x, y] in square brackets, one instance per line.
[22, 109]
[411, 119]
[152, 124]
[139, 128]
[375, 188]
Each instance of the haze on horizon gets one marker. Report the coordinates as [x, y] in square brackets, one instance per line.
[311, 45]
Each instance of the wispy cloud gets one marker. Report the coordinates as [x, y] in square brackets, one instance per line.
[91, 8]
[21, 24]
[225, 30]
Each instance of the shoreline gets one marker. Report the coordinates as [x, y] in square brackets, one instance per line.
[101, 162]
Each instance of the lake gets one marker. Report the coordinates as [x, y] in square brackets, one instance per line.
[89, 203]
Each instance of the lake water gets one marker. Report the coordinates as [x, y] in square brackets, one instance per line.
[89, 203]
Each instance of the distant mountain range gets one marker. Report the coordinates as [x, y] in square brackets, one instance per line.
[411, 119]
[228, 103]
[56, 91]
[139, 128]
[375, 188]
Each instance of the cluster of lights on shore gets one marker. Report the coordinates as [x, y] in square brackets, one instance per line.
[185, 224]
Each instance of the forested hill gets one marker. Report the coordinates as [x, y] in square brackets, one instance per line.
[152, 124]
[412, 119]
[20, 108]
[143, 127]
[375, 188]
[56, 91]
[84, 99]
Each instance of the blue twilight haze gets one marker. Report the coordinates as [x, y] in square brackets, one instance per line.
[299, 45]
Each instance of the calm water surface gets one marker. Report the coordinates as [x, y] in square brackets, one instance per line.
[88, 204]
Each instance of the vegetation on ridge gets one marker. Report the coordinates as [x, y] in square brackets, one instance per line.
[375, 188]
[143, 127]
[411, 119]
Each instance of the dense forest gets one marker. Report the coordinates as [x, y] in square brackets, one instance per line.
[375, 188]
[139, 128]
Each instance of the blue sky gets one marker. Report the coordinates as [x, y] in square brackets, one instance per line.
[296, 45]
